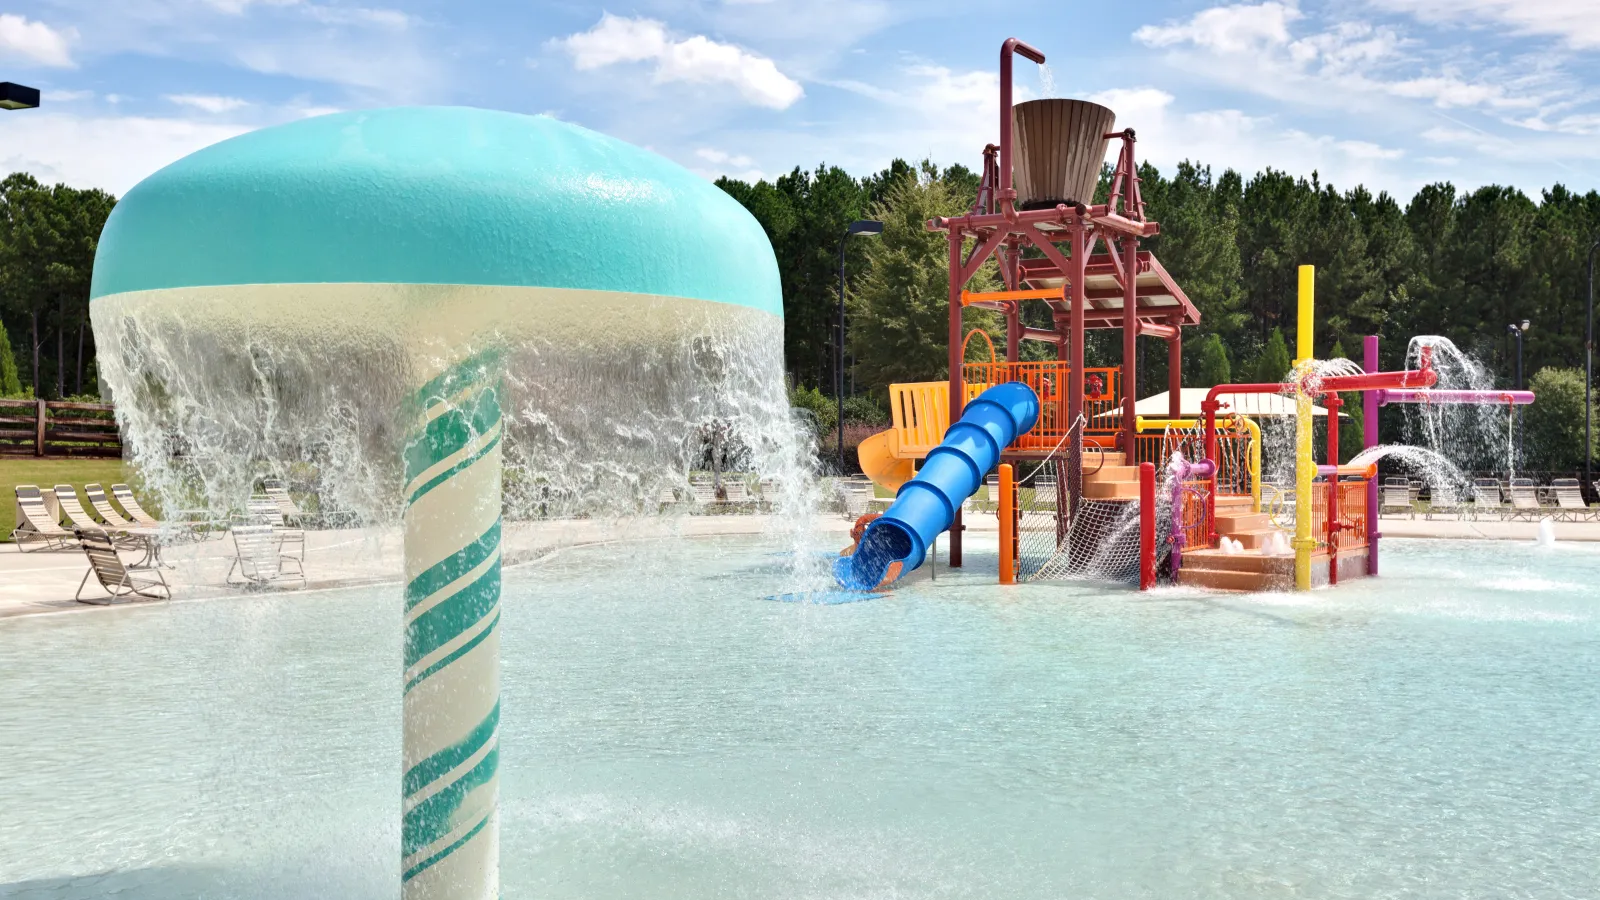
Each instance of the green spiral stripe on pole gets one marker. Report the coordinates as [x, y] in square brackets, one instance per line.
[449, 833]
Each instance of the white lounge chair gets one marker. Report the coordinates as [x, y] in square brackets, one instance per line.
[771, 492]
[1569, 499]
[1486, 497]
[1396, 497]
[35, 525]
[121, 582]
[278, 494]
[736, 490]
[108, 513]
[704, 490]
[1525, 499]
[72, 508]
[1044, 493]
[259, 559]
[262, 511]
[130, 504]
[1444, 500]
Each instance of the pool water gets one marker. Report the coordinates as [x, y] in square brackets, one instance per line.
[670, 732]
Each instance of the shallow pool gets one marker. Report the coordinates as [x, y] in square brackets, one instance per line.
[669, 733]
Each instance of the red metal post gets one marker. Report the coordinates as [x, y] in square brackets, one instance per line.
[956, 387]
[1369, 433]
[1008, 192]
[1080, 305]
[1130, 338]
[1175, 370]
[1147, 526]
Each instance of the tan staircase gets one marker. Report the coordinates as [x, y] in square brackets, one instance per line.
[1248, 571]
[1107, 476]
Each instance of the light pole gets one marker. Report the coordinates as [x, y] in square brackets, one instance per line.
[17, 96]
[860, 226]
[1588, 378]
[1519, 330]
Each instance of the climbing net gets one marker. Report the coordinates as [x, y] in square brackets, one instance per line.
[1099, 543]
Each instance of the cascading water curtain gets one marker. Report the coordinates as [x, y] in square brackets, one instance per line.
[450, 830]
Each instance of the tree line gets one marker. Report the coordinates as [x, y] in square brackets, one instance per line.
[48, 237]
[1462, 264]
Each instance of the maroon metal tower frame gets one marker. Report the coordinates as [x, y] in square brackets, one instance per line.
[1000, 230]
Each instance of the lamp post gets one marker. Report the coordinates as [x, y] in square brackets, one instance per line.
[17, 96]
[860, 226]
[1519, 330]
[1588, 377]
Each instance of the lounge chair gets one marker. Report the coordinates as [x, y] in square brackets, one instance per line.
[855, 497]
[291, 541]
[1044, 493]
[259, 559]
[1569, 500]
[771, 492]
[703, 490]
[130, 505]
[667, 497]
[1443, 500]
[120, 581]
[278, 494]
[1525, 499]
[1396, 497]
[736, 490]
[35, 525]
[1486, 497]
[67, 497]
[107, 512]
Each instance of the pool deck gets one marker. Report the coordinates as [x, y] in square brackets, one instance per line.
[41, 582]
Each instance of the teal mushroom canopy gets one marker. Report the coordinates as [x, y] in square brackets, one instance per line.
[436, 195]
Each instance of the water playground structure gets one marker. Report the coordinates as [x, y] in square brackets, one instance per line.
[461, 318]
[1079, 430]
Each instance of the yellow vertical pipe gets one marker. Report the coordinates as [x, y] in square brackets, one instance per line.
[1008, 525]
[1305, 467]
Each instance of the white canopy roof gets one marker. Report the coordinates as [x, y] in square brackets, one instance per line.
[1253, 405]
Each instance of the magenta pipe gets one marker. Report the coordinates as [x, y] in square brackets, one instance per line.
[1370, 401]
[1486, 398]
[1179, 471]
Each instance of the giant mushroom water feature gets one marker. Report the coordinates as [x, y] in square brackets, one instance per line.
[408, 302]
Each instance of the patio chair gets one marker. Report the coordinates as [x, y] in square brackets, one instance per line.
[1486, 497]
[771, 492]
[991, 488]
[259, 559]
[107, 512]
[1396, 497]
[121, 582]
[703, 489]
[736, 490]
[35, 525]
[130, 505]
[262, 511]
[275, 491]
[1444, 500]
[1044, 493]
[1569, 500]
[667, 497]
[67, 497]
[856, 497]
[1525, 499]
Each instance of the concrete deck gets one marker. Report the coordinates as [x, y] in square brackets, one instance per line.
[38, 581]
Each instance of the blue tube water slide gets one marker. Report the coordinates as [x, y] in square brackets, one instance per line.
[927, 504]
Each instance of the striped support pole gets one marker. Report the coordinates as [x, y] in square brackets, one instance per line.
[450, 831]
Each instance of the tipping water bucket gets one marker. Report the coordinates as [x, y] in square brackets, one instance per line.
[1061, 145]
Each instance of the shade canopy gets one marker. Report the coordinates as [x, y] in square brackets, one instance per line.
[436, 196]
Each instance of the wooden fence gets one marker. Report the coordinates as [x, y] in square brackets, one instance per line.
[58, 428]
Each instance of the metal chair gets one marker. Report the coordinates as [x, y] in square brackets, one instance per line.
[1525, 499]
[1570, 505]
[1396, 497]
[259, 559]
[35, 525]
[1486, 497]
[121, 582]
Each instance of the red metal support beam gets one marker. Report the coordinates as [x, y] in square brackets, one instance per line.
[956, 392]
[1332, 402]
[1079, 263]
[1130, 354]
[1175, 369]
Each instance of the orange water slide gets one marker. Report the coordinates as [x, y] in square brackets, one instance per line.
[882, 462]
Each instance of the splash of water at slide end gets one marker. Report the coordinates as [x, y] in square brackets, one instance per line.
[897, 542]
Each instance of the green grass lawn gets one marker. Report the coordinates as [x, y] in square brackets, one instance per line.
[48, 473]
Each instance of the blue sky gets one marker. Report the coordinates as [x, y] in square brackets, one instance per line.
[1394, 94]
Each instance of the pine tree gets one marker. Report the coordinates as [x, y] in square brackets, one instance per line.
[10, 382]
[1214, 366]
[1273, 364]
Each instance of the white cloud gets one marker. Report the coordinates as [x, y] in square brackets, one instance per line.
[1226, 29]
[69, 148]
[722, 158]
[209, 103]
[236, 7]
[36, 41]
[697, 59]
[341, 15]
[1576, 22]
